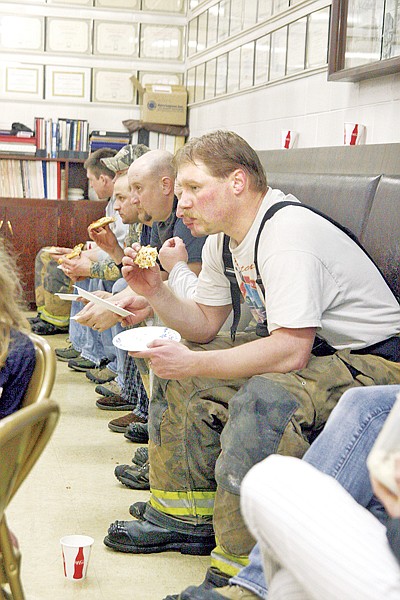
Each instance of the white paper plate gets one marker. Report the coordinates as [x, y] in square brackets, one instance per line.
[102, 302]
[71, 297]
[136, 340]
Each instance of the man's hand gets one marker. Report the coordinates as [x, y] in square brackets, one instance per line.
[58, 251]
[144, 282]
[169, 360]
[138, 306]
[390, 501]
[103, 294]
[96, 317]
[77, 268]
[172, 252]
[105, 239]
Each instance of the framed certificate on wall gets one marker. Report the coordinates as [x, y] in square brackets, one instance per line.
[246, 77]
[199, 87]
[177, 6]
[21, 80]
[278, 53]
[77, 2]
[233, 71]
[221, 75]
[191, 83]
[202, 31]
[67, 83]
[131, 4]
[364, 39]
[161, 41]
[112, 85]
[115, 39]
[150, 77]
[69, 36]
[261, 65]
[317, 38]
[209, 89]
[21, 33]
[296, 48]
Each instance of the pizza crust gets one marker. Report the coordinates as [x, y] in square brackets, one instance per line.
[76, 251]
[101, 223]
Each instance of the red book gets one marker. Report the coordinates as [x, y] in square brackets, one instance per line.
[17, 140]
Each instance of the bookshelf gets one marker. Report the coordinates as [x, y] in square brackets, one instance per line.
[32, 177]
[29, 223]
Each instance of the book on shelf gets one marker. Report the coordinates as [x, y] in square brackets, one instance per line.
[120, 135]
[13, 144]
[108, 139]
[21, 178]
[62, 138]
[158, 141]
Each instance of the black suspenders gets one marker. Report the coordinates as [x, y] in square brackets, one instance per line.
[229, 271]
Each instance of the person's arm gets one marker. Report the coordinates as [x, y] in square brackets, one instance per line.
[100, 318]
[105, 269]
[77, 268]
[195, 322]
[107, 241]
[173, 257]
[283, 351]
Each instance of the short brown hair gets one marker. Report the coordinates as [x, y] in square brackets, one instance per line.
[96, 166]
[222, 152]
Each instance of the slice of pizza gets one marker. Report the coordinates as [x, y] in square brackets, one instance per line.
[75, 252]
[101, 223]
[146, 257]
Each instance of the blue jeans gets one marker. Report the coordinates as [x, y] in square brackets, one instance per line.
[117, 363]
[341, 451]
[87, 341]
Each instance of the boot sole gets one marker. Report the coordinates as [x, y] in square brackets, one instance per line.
[134, 485]
[183, 548]
[100, 381]
[62, 359]
[124, 407]
[82, 369]
[139, 463]
[137, 439]
[117, 428]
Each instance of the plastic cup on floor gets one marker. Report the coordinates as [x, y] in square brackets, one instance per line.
[76, 554]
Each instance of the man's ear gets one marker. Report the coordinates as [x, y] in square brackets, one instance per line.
[167, 185]
[238, 180]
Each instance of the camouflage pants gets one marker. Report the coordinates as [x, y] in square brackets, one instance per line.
[48, 281]
[197, 452]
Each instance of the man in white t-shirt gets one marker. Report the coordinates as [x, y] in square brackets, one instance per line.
[314, 280]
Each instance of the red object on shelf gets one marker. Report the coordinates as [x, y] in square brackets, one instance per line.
[17, 140]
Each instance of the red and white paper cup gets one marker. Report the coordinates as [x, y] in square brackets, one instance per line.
[354, 134]
[288, 138]
[76, 554]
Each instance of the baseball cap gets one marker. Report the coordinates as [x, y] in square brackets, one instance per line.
[124, 157]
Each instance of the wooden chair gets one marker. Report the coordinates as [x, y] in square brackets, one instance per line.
[42, 381]
[23, 437]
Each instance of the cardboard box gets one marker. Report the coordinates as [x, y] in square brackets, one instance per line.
[160, 103]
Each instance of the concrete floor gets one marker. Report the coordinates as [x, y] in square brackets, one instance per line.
[71, 490]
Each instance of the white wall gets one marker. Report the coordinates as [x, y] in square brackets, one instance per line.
[310, 105]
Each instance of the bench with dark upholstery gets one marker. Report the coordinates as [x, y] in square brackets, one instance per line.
[368, 205]
[358, 186]
[345, 198]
